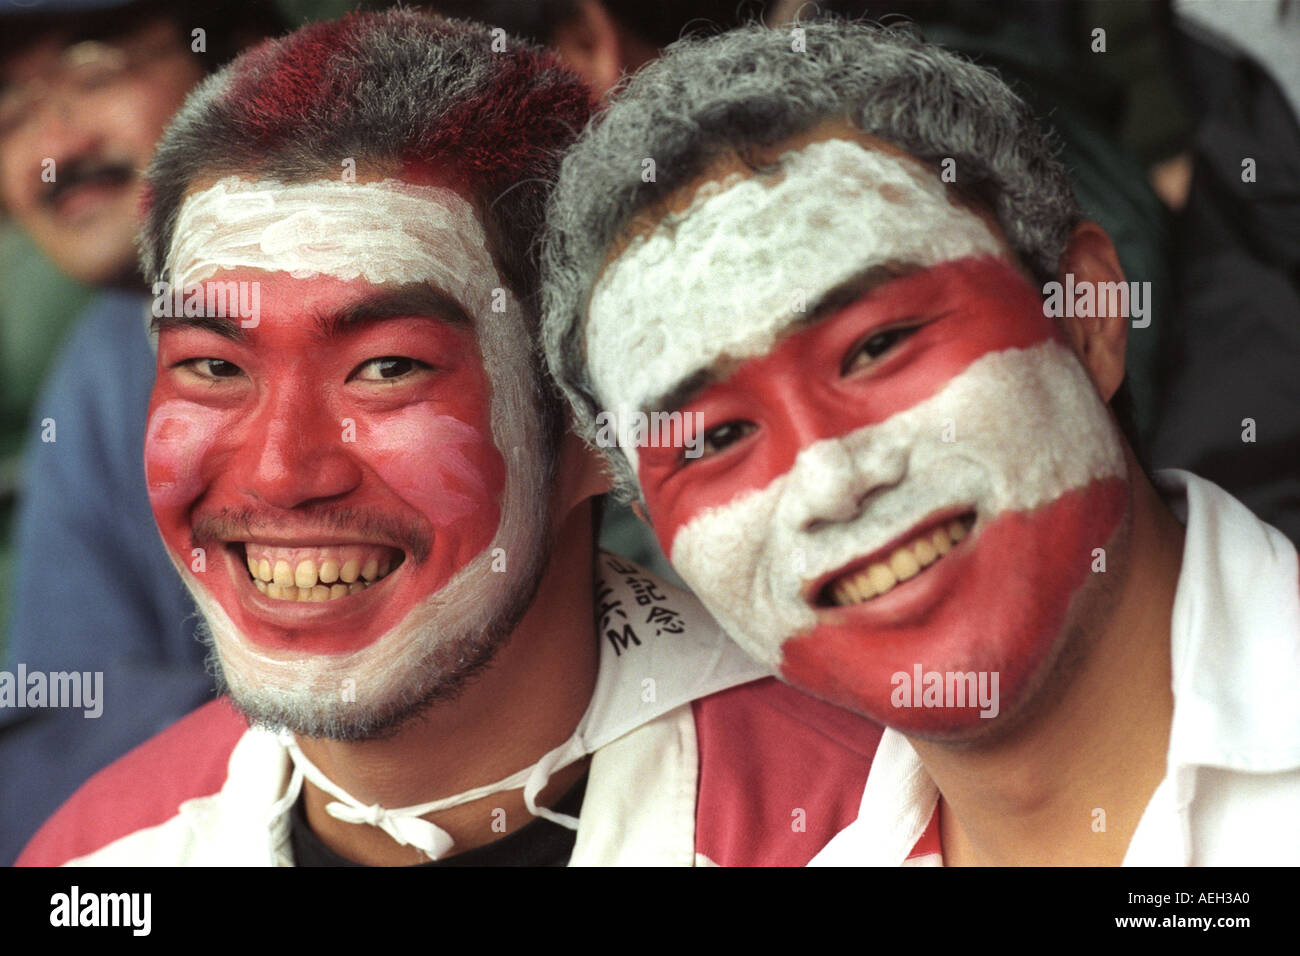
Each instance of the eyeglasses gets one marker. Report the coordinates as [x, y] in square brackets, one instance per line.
[85, 71]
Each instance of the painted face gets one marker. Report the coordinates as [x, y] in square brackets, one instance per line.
[336, 452]
[904, 465]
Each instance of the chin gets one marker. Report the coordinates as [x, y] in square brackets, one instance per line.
[429, 656]
[375, 682]
[965, 653]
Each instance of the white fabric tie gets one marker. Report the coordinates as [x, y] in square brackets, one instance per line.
[405, 824]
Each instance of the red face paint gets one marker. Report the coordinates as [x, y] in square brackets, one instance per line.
[829, 455]
[997, 603]
[944, 318]
[372, 440]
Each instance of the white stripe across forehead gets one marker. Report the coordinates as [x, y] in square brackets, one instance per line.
[389, 231]
[1029, 427]
[725, 277]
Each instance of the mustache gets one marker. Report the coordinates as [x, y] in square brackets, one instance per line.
[87, 169]
[246, 524]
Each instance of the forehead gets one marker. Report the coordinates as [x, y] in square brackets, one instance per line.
[384, 232]
[728, 264]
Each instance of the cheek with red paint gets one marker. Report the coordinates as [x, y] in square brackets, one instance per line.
[1004, 613]
[179, 441]
[443, 467]
[179, 436]
[800, 392]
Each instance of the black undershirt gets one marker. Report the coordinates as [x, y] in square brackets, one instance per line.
[539, 843]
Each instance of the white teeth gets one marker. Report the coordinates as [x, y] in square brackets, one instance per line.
[882, 579]
[848, 593]
[904, 563]
[304, 575]
[316, 593]
[286, 574]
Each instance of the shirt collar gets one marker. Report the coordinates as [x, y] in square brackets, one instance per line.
[659, 649]
[1235, 635]
[1236, 664]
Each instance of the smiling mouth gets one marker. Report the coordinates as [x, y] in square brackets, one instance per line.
[97, 176]
[317, 573]
[912, 557]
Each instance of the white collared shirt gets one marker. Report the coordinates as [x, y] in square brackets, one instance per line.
[1231, 790]
[659, 652]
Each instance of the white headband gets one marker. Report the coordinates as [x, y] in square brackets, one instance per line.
[389, 231]
[726, 276]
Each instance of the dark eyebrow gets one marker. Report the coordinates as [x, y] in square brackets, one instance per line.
[840, 297]
[420, 300]
[226, 328]
[417, 300]
[854, 288]
[689, 387]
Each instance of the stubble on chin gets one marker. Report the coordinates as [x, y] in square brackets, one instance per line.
[441, 675]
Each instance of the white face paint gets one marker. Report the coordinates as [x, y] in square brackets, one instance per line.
[388, 232]
[812, 536]
[730, 273]
[1013, 456]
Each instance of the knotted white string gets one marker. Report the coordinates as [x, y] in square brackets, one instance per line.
[405, 824]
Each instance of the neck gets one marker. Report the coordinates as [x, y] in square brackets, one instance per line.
[1068, 785]
[527, 703]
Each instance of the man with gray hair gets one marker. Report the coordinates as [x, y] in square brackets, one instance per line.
[847, 268]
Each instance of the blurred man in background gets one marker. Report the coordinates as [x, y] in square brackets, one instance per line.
[85, 92]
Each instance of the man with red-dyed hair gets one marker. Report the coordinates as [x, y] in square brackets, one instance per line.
[368, 487]
[908, 492]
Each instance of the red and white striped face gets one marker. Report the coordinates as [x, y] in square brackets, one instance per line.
[915, 474]
[352, 465]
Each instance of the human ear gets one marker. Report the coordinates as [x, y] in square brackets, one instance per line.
[580, 473]
[1098, 340]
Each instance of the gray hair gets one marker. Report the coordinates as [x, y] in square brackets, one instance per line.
[750, 88]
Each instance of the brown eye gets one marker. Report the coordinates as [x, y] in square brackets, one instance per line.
[388, 368]
[213, 368]
[873, 347]
[716, 439]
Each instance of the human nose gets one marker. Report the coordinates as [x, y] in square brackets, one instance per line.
[299, 455]
[831, 483]
[53, 115]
